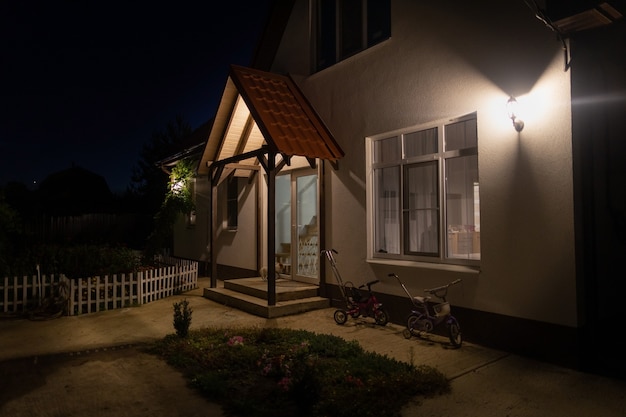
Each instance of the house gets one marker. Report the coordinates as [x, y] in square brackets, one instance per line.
[407, 158]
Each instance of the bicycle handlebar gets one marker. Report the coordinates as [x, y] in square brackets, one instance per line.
[443, 287]
[369, 284]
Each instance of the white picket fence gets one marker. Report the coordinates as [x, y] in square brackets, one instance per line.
[90, 295]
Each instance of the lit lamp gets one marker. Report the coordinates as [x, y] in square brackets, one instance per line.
[512, 109]
[177, 187]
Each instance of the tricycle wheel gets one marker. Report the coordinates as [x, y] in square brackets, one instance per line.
[381, 317]
[454, 333]
[418, 324]
[340, 317]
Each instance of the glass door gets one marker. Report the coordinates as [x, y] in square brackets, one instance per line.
[297, 231]
[283, 225]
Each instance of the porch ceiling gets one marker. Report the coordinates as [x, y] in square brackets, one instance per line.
[264, 109]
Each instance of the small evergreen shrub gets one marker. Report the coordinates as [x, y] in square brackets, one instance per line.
[182, 318]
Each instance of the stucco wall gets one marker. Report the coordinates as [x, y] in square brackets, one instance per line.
[443, 61]
[192, 242]
[236, 248]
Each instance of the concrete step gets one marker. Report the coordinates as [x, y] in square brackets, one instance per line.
[258, 306]
[285, 289]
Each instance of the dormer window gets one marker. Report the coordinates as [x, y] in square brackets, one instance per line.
[346, 27]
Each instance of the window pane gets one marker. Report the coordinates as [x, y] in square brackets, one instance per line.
[461, 135]
[283, 220]
[308, 242]
[420, 143]
[387, 210]
[232, 203]
[351, 27]
[421, 209]
[326, 33]
[387, 150]
[378, 21]
[463, 208]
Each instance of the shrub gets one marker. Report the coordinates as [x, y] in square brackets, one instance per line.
[182, 318]
[75, 261]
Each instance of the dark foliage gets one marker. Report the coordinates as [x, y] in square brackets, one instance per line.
[74, 261]
[282, 372]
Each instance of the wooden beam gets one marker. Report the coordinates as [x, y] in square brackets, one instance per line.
[271, 228]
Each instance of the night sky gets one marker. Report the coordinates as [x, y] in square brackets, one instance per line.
[87, 83]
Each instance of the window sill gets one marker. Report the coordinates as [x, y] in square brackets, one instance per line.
[468, 269]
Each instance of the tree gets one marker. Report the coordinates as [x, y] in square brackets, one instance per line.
[148, 181]
[149, 184]
[11, 236]
[178, 200]
[74, 191]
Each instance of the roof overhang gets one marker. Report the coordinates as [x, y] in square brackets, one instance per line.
[264, 111]
[569, 17]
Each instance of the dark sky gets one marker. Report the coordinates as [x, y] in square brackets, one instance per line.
[88, 82]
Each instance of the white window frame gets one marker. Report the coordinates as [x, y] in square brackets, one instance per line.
[442, 258]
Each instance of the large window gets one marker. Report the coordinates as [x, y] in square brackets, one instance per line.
[345, 27]
[425, 191]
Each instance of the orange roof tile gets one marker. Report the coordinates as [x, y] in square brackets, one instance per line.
[287, 120]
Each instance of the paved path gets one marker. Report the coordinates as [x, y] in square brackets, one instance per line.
[95, 347]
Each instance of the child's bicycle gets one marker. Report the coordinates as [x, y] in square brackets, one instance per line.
[357, 304]
[427, 314]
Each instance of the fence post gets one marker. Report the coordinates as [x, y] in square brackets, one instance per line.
[5, 295]
[140, 277]
[123, 291]
[73, 296]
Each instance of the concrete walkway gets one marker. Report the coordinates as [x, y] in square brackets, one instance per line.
[485, 382]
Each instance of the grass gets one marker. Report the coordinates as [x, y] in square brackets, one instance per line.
[281, 372]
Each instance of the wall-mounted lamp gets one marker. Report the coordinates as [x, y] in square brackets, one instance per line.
[177, 187]
[512, 109]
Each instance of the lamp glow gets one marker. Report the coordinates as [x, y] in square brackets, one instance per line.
[177, 187]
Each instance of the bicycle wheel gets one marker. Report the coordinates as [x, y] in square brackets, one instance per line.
[416, 325]
[340, 317]
[381, 317]
[454, 332]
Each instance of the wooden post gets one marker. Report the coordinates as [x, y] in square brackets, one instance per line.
[271, 228]
[214, 176]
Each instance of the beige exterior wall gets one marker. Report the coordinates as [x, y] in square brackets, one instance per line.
[235, 248]
[446, 60]
[238, 248]
[191, 242]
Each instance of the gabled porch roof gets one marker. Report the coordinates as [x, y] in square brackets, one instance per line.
[260, 109]
[261, 116]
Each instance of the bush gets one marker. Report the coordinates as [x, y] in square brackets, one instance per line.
[182, 318]
[75, 261]
[283, 372]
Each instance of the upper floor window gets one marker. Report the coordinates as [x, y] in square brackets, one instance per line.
[425, 201]
[345, 27]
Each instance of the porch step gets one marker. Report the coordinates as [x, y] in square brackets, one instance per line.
[250, 295]
[285, 289]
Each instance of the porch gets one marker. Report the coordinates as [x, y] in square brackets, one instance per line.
[251, 295]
